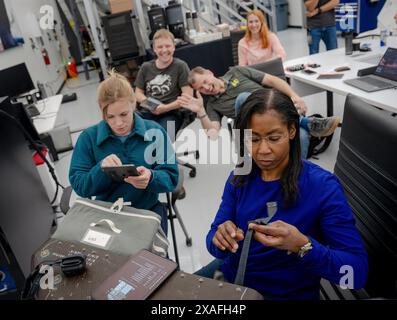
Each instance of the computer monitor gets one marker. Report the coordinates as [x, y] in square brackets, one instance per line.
[120, 35]
[387, 67]
[15, 81]
[26, 215]
[18, 111]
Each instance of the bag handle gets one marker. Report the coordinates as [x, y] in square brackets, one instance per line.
[107, 222]
[118, 205]
[271, 211]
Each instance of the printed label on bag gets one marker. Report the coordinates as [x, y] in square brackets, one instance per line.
[96, 238]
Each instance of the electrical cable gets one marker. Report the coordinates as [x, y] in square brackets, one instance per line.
[37, 146]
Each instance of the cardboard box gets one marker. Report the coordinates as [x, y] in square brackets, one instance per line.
[117, 6]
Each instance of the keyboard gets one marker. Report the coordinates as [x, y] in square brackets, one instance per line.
[375, 82]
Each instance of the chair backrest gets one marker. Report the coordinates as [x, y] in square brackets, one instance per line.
[366, 167]
[235, 37]
[274, 67]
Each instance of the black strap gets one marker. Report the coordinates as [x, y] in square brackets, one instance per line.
[271, 211]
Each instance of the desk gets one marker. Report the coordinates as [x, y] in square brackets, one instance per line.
[48, 109]
[45, 122]
[305, 84]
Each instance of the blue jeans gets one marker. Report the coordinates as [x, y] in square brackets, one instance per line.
[163, 119]
[162, 210]
[327, 34]
[305, 141]
[209, 270]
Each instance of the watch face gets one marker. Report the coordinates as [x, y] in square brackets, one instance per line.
[305, 249]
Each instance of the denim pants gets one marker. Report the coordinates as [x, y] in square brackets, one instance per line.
[327, 34]
[163, 119]
[208, 271]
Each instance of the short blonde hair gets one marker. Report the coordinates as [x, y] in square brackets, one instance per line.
[163, 33]
[114, 88]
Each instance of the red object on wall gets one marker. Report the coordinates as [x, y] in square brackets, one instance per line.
[45, 56]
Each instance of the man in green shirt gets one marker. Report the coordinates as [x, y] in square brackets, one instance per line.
[224, 91]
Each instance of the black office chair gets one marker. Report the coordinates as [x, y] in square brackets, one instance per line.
[235, 37]
[273, 67]
[173, 213]
[366, 167]
[188, 118]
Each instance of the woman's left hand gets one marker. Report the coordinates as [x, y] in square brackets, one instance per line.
[279, 235]
[141, 181]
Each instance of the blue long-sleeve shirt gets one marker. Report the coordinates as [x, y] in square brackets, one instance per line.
[321, 213]
[97, 142]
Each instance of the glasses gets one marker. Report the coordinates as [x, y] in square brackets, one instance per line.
[255, 140]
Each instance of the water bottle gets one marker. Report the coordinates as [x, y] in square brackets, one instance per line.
[189, 21]
[383, 37]
[195, 21]
[349, 43]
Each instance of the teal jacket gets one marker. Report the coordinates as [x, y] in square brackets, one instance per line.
[148, 145]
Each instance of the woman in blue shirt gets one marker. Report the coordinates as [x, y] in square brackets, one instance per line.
[312, 234]
[123, 137]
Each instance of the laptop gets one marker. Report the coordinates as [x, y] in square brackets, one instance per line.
[384, 77]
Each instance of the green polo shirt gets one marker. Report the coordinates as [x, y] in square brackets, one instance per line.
[237, 80]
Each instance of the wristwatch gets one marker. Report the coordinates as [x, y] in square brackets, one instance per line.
[305, 249]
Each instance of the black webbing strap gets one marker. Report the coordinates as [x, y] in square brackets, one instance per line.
[271, 211]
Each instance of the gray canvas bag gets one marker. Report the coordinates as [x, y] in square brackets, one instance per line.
[115, 227]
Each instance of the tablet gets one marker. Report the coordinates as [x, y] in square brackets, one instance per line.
[150, 104]
[119, 173]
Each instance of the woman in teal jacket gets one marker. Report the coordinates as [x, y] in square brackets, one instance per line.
[123, 137]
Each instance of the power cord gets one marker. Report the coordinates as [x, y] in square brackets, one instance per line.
[37, 146]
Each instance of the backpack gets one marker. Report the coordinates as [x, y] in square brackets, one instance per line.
[315, 147]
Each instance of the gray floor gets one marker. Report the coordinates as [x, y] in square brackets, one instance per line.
[203, 193]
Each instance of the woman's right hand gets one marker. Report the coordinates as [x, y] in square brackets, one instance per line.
[227, 236]
[110, 161]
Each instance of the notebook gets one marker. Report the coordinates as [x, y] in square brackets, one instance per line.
[384, 77]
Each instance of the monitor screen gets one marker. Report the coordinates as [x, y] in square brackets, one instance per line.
[120, 35]
[18, 111]
[174, 14]
[387, 67]
[15, 81]
[26, 215]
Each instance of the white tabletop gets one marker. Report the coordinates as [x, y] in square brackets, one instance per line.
[329, 60]
[48, 109]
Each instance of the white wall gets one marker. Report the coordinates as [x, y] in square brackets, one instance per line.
[295, 8]
[49, 74]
